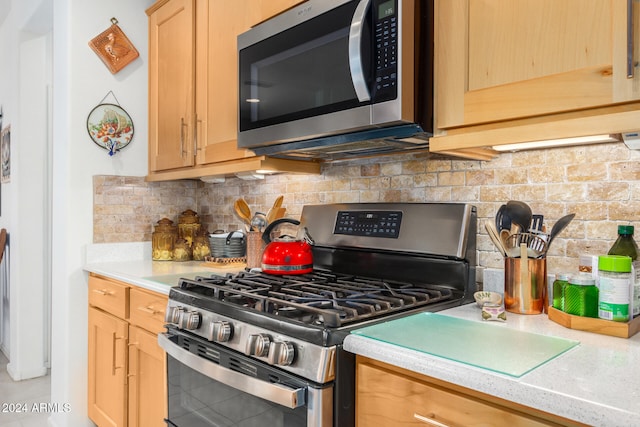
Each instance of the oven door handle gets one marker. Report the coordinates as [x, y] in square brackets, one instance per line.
[276, 393]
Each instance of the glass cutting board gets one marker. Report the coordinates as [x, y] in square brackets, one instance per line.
[484, 345]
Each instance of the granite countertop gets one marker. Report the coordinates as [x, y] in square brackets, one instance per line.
[596, 383]
[132, 263]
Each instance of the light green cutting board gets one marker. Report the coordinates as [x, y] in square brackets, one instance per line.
[485, 345]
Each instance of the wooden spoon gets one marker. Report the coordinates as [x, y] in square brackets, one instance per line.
[243, 211]
[272, 213]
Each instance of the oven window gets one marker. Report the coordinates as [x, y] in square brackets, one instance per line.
[196, 400]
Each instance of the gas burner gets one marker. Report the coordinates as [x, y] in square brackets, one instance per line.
[318, 298]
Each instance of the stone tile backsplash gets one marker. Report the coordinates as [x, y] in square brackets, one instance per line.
[600, 183]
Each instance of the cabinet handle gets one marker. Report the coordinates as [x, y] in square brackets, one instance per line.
[104, 292]
[182, 125]
[630, 63]
[195, 137]
[113, 360]
[149, 310]
[428, 420]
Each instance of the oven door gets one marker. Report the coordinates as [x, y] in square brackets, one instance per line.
[209, 385]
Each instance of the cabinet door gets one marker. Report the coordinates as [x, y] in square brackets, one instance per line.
[499, 59]
[107, 392]
[171, 85]
[219, 23]
[147, 379]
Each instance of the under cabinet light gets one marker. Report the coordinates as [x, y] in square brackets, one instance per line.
[213, 179]
[250, 176]
[563, 142]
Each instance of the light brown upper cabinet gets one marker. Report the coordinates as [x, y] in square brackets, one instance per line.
[510, 71]
[193, 86]
[219, 23]
[171, 84]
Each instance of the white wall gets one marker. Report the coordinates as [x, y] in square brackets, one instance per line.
[81, 81]
[28, 31]
[24, 74]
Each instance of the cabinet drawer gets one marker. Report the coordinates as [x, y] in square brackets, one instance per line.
[110, 296]
[147, 310]
[388, 399]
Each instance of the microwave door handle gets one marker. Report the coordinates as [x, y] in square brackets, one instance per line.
[355, 54]
[276, 393]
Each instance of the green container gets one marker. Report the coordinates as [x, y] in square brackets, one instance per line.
[562, 280]
[581, 296]
[615, 287]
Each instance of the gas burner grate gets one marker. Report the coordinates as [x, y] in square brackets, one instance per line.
[319, 298]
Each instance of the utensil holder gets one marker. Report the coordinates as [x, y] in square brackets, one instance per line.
[525, 285]
[255, 248]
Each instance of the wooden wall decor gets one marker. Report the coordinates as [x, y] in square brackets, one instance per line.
[114, 48]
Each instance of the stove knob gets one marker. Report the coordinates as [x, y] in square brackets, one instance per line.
[189, 320]
[173, 314]
[257, 345]
[281, 353]
[220, 331]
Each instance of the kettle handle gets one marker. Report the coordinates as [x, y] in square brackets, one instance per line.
[274, 224]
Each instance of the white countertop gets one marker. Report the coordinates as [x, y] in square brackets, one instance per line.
[131, 263]
[596, 382]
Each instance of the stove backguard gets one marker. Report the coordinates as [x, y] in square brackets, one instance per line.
[434, 243]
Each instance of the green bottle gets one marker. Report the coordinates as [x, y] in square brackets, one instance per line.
[626, 245]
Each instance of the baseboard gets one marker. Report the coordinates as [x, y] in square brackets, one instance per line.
[25, 375]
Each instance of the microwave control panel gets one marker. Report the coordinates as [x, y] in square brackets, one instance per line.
[385, 20]
[369, 223]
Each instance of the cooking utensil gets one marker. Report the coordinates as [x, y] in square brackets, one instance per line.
[279, 213]
[503, 221]
[495, 238]
[287, 254]
[243, 211]
[525, 283]
[259, 222]
[520, 214]
[536, 222]
[536, 245]
[272, 212]
[560, 225]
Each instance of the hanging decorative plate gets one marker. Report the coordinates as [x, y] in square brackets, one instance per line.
[110, 127]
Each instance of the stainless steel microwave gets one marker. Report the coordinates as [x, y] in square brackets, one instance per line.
[335, 79]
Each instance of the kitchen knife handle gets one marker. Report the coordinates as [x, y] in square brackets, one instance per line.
[355, 54]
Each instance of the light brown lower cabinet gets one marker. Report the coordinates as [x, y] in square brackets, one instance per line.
[127, 367]
[388, 396]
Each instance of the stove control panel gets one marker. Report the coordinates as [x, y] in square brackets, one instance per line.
[292, 354]
[369, 223]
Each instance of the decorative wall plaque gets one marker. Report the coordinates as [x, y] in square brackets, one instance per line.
[114, 48]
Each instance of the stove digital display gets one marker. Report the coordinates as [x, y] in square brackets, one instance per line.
[369, 223]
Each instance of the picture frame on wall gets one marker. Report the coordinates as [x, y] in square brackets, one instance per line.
[5, 155]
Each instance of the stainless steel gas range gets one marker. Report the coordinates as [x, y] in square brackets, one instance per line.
[253, 349]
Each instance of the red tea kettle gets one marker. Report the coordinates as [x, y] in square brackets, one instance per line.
[287, 254]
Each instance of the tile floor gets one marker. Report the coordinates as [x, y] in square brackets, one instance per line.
[17, 399]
